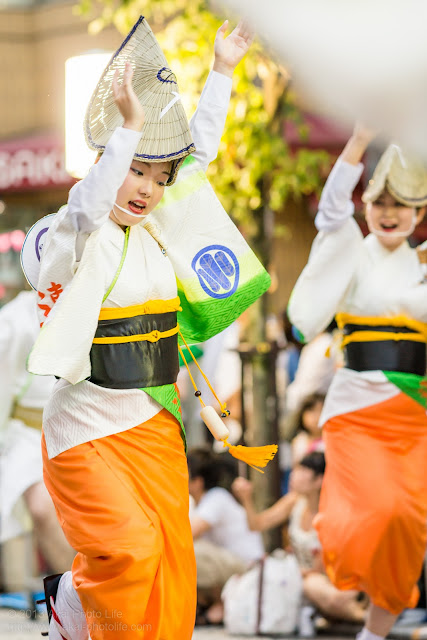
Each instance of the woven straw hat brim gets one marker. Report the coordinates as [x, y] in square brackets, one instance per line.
[404, 179]
[166, 134]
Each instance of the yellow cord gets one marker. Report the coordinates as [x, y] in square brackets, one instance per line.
[181, 353]
[223, 405]
[255, 457]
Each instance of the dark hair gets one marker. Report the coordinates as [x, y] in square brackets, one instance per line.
[309, 403]
[314, 461]
[202, 464]
[216, 470]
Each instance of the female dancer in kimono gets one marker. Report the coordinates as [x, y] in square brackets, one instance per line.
[373, 507]
[114, 456]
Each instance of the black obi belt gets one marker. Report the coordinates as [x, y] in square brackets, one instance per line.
[136, 351]
[384, 347]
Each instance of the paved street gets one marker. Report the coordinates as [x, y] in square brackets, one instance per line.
[15, 625]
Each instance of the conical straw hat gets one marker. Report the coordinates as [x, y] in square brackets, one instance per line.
[403, 178]
[166, 134]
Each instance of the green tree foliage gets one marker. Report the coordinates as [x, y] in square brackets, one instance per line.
[255, 169]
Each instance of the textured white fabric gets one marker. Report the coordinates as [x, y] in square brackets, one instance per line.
[83, 248]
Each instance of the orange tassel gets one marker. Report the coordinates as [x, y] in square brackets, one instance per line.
[255, 457]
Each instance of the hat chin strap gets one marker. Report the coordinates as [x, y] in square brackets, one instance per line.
[393, 234]
[129, 213]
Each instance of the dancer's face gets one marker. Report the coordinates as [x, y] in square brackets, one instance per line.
[389, 217]
[141, 191]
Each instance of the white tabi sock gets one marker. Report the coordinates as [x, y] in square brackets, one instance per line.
[69, 611]
[365, 634]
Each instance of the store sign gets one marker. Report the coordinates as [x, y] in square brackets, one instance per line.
[36, 162]
[12, 241]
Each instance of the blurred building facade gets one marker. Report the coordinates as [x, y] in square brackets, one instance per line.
[36, 38]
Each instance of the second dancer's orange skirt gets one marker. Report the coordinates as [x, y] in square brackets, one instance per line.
[372, 520]
[122, 502]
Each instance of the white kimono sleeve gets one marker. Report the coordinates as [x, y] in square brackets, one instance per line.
[333, 258]
[323, 283]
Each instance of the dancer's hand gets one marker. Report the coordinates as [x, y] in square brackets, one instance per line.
[355, 148]
[363, 133]
[231, 49]
[127, 101]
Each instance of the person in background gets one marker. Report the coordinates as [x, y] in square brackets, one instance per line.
[22, 399]
[308, 433]
[298, 509]
[224, 544]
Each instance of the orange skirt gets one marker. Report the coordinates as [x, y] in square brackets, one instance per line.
[122, 502]
[372, 521]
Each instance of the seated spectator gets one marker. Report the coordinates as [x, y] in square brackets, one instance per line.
[224, 544]
[298, 509]
[308, 436]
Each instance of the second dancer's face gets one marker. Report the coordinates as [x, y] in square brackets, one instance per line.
[393, 220]
[141, 191]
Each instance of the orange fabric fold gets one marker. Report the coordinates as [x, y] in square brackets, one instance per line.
[373, 505]
[122, 502]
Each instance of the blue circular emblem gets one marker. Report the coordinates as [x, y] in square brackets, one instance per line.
[218, 270]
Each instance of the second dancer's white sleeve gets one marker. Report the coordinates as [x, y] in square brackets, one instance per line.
[333, 257]
[336, 205]
[325, 279]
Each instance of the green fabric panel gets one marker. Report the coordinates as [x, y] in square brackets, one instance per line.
[200, 321]
[183, 188]
[196, 350]
[188, 160]
[413, 385]
[168, 396]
